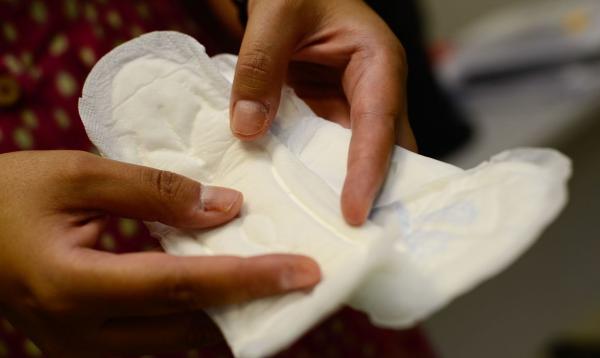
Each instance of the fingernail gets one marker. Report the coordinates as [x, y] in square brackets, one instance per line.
[302, 275]
[249, 117]
[214, 198]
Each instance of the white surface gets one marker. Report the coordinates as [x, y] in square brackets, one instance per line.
[449, 228]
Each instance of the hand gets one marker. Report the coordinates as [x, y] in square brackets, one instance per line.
[345, 62]
[73, 300]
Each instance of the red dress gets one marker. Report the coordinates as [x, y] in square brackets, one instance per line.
[46, 50]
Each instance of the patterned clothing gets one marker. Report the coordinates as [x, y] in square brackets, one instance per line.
[46, 50]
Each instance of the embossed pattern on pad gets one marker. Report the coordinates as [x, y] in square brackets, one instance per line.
[168, 114]
[435, 231]
[452, 228]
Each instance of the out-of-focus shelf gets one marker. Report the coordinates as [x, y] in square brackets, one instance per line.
[500, 125]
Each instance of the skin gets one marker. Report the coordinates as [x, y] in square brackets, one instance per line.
[75, 301]
[344, 61]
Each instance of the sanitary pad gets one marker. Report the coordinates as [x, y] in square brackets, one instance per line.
[435, 230]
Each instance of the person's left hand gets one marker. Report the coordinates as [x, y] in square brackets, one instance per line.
[76, 301]
[344, 61]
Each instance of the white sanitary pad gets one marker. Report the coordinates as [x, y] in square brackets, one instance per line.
[435, 231]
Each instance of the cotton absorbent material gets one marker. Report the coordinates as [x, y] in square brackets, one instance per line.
[435, 231]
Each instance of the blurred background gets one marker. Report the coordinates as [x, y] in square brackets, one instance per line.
[527, 73]
[514, 73]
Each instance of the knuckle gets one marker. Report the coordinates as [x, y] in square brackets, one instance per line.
[393, 55]
[176, 197]
[379, 117]
[254, 67]
[380, 129]
[399, 51]
[167, 184]
[396, 56]
[180, 292]
[386, 49]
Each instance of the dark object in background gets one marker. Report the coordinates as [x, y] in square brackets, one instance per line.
[574, 349]
[438, 124]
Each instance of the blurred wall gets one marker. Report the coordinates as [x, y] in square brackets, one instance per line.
[553, 290]
[446, 17]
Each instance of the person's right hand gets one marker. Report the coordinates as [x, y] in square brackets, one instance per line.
[343, 60]
[73, 300]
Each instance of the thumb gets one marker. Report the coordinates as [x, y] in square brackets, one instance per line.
[261, 67]
[150, 194]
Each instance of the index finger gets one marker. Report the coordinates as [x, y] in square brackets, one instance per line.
[159, 283]
[375, 87]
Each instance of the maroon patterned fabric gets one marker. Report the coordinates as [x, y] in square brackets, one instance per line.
[46, 50]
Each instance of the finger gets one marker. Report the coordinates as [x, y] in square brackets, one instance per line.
[139, 335]
[406, 138]
[148, 194]
[271, 34]
[158, 283]
[374, 83]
